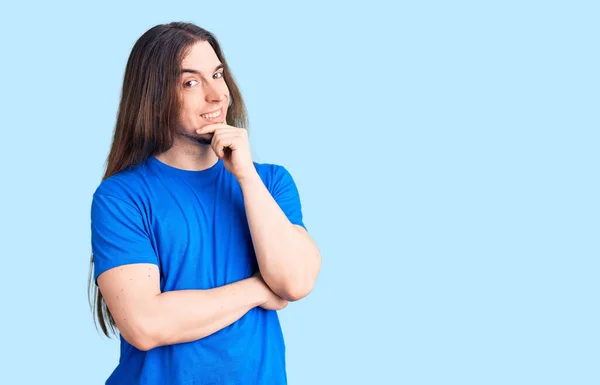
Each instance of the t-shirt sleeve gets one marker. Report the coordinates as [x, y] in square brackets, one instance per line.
[119, 236]
[285, 193]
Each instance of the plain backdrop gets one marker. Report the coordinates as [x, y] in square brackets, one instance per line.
[446, 155]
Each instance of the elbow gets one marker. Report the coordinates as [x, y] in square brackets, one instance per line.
[140, 336]
[295, 292]
[294, 296]
[293, 285]
[143, 343]
[298, 287]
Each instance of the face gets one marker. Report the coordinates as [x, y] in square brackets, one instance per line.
[203, 93]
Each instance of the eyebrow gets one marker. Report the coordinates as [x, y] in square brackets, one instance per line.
[188, 70]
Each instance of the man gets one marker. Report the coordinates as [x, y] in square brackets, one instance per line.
[195, 246]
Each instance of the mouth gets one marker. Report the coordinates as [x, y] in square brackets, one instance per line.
[213, 116]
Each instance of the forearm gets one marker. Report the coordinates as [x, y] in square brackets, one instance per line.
[288, 259]
[188, 315]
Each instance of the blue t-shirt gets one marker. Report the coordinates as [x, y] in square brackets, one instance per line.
[193, 225]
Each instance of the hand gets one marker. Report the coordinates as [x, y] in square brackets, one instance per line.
[231, 145]
[273, 302]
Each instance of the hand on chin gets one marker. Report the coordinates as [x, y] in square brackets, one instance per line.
[205, 138]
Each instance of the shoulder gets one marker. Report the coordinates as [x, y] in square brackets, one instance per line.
[126, 186]
[268, 169]
[273, 174]
[277, 178]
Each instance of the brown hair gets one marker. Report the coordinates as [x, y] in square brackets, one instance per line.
[148, 111]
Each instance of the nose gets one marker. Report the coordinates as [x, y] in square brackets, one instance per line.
[214, 94]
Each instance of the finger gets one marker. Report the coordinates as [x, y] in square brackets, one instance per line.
[221, 142]
[226, 133]
[218, 149]
[218, 127]
[227, 139]
[220, 135]
[211, 128]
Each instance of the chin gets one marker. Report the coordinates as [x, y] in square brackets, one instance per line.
[205, 139]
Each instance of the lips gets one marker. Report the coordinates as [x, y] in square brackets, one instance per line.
[215, 115]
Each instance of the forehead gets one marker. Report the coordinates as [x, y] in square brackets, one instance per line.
[201, 56]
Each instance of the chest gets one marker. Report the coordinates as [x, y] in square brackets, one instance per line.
[201, 236]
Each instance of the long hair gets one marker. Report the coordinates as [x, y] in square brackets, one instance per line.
[148, 111]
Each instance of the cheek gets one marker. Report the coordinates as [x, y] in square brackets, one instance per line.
[223, 89]
[189, 111]
[189, 117]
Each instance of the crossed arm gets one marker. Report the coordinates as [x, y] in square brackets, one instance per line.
[147, 318]
[288, 261]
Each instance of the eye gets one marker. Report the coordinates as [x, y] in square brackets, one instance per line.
[189, 83]
[218, 75]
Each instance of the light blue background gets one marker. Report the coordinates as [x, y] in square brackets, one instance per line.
[447, 159]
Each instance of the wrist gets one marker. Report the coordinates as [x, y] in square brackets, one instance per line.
[249, 178]
[257, 291]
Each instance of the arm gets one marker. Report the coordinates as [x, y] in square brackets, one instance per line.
[147, 318]
[288, 259]
[127, 274]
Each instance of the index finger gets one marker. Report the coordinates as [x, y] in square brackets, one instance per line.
[210, 128]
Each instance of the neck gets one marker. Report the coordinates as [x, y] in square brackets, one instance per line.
[190, 157]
